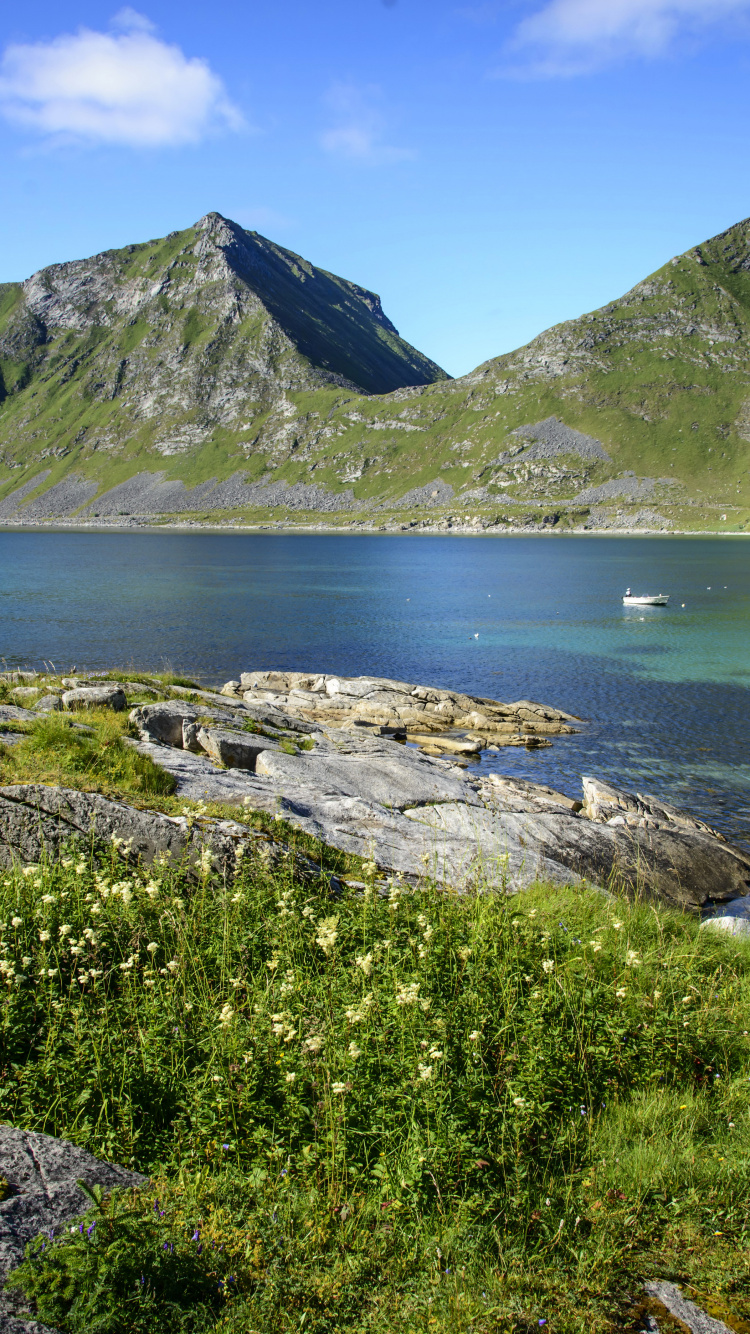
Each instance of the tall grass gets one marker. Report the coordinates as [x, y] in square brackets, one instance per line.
[391, 1112]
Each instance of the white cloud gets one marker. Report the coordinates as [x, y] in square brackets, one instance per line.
[568, 36]
[359, 127]
[126, 87]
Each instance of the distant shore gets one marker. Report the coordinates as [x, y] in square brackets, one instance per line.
[476, 527]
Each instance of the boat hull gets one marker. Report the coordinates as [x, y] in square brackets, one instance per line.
[659, 600]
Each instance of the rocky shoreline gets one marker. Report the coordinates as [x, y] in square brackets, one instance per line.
[381, 769]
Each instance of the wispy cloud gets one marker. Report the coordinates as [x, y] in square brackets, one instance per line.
[573, 36]
[359, 128]
[125, 86]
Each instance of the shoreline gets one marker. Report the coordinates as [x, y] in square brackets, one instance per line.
[359, 530]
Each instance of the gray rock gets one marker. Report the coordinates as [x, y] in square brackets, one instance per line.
[36, 821]
[11, 713]
[164, 722]
[24, 693]
[385, 773]
[553, 437]
[95, 697]
[682, 869]
[43, 1173]
[697, 1321]
[627, 488]
[49, 704]
[234, 750]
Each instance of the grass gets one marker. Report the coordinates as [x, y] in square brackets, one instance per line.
[369, 1113]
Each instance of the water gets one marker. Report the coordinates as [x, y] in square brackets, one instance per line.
[665, 693]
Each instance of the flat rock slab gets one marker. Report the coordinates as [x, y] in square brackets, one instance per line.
[697, 1321]
[43, 1173]
[95, 697]
[386, 774]
[13, 713]
[676, 867]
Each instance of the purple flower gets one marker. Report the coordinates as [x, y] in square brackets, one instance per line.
[225, 1146]
[89, 1230]
[196, 1235]
[542, 1322]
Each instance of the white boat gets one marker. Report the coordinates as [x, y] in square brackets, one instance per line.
[645, 599]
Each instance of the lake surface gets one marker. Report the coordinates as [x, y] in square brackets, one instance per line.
[665, 693]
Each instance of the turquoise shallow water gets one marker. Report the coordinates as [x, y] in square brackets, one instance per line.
[664, 693]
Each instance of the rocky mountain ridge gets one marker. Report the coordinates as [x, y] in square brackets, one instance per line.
[214, 373]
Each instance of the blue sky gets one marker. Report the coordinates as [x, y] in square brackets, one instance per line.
[490, 168]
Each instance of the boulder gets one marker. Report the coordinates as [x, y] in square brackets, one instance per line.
[25, 693]
[95, 697]
[164, 721]
[602, 803]
[43, 1175]
[233, 750]
[49, 704]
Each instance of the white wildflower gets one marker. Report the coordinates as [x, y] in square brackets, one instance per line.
[425, 1071]
[364, 961]
[216, 1079]
[632, 960]
[686, 1000]
[51, 972]
[464, 953]
[327, 934]
[26, 961]
[617, 926]
[548, 965]
[595, 945]
[44, 936]
[290, 1078]
[152, 889]
[354, 1051]
[436, 1053]
[173, 965]
[621, 991]
[76, 949]
[519, 1102]
[475, 1036]
[308, 911]
[227, 1015]
[338, 1087]
[152, 946]
[48, 898]
[16, 921]
[65, 930]
[312, 1045]
[407, 993]
[368, 869]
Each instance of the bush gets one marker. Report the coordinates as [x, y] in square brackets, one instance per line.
[365, 1096]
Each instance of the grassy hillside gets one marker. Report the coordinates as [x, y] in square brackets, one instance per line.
[660, 378]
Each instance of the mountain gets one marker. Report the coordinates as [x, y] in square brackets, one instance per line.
[214, 372]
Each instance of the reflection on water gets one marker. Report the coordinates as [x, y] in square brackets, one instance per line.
[663, 690]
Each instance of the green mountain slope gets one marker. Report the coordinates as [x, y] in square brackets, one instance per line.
[214, 372]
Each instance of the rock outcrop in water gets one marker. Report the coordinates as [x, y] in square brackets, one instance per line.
[329, 755]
